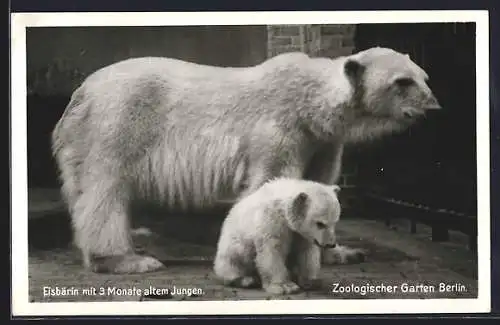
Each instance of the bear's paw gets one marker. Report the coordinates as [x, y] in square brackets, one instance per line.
[344, 255]
[282, 288]
[127, 264]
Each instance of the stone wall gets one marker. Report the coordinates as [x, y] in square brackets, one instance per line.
[316, 40]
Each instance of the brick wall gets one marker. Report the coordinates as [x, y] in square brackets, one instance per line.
[336, 40]
[285, 38]
[316, 40]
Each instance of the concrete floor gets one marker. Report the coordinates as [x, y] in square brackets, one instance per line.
[187, 245]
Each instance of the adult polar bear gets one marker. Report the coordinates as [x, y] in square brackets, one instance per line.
[190, 135]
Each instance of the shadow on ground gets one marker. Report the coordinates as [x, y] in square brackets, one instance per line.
[186, 244]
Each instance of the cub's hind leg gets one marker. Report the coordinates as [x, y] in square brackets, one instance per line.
[232, 275]
[235, 269]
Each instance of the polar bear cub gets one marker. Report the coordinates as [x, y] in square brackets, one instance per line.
[273, 237]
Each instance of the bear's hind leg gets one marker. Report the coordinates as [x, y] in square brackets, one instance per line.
[69, 164]
[101, 227]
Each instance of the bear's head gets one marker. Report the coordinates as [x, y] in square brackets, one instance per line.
[315, 213]
[390, 93]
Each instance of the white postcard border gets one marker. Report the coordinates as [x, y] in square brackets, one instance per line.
[20, 302]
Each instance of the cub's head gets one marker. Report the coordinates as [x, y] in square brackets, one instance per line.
[315, 213]
[390, 92]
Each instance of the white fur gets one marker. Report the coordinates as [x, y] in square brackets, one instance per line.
[190, 136]
[269, 236]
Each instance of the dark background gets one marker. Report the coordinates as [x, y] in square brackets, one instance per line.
[433, 163]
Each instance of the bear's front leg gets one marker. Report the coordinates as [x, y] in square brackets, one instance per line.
[271, 265]
[307, 265]
[343, 255]
[326, 167]
[275, 154]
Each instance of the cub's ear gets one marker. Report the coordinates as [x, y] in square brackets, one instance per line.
[299, 204]
[353, 69]
[336, 188]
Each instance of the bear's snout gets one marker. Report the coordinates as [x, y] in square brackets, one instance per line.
[432, 103]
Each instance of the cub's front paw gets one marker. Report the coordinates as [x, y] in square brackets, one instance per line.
[282, 288]
[344, 255]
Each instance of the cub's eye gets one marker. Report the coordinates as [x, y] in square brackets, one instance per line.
[404, 82]
[320, 225]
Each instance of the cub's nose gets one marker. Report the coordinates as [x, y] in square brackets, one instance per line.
[331, 245]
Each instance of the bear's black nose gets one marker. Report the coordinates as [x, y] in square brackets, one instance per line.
[330, 245]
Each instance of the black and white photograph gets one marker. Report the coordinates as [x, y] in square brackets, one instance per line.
[250, 163]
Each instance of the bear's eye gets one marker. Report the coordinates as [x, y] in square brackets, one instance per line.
[404, 82]
[320, 225]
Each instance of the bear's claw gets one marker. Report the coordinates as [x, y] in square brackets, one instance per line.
[126, 264]
[283, 288]
[344, 255]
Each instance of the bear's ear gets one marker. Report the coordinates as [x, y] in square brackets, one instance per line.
[299, 204]
[336, 188]
[353, 69]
